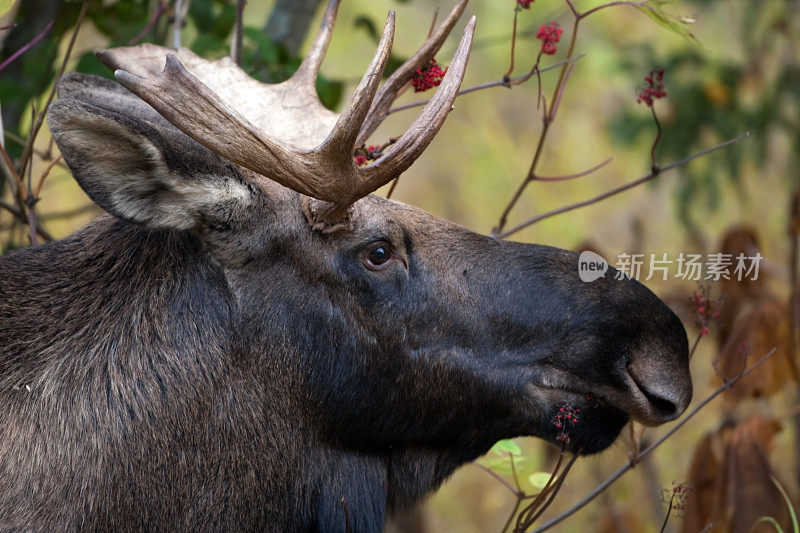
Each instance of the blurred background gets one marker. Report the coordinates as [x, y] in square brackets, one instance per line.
[731, 67]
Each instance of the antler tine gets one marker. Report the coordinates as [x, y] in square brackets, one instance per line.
[201, 114]
[390, 89]
[341, 141]
[309, 68]
[421, 132]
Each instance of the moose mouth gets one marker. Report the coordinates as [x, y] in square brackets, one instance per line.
[599, 412]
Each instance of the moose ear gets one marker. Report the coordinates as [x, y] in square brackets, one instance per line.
[142, 172]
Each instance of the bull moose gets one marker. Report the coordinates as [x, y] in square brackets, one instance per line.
[250, 338]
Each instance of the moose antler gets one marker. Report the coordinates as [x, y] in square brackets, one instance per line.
[326, 172]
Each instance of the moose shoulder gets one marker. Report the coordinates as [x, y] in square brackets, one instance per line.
[250, 338]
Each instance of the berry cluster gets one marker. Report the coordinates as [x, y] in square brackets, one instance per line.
[676, 496]
[365, 156]
[704, 308]
[428, 76]
[565, 419]
[524, 4]
[654, 88]
[549, 34]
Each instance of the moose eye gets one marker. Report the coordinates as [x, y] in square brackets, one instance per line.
[378, 256]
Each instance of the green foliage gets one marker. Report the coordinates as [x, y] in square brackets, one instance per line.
[5, 6]
[716, 98]
[674, 23]
[501, 456]
[121, 21]
[539, 480]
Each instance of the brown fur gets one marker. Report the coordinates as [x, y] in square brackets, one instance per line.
[204, 359]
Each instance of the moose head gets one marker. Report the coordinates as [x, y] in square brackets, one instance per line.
[335, 344]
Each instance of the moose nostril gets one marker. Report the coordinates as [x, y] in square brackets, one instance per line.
[662, 406]
[667, 399]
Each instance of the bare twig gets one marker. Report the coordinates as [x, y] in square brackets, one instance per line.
[25, 48]
[28, 151]
[647, 177]
[497, 476]
[238, 28]
[656, 140]
[535, 512]
[547, 121]
[162, 7]
[510, 70]
[555, 101]
[11, 136]
[490, 84]
[22, 218]
[10, 208]
[32, 223]
[578, 175]
[44, 175]
[628, 466]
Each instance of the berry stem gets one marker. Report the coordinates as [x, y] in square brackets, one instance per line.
[507, 75]
[654, 167]
[549, 116]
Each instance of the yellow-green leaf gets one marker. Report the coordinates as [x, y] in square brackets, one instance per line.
[5, 6]
[539, 479]
[675, 24]
[505, 447]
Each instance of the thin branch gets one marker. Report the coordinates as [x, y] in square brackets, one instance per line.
[497, 476]
[11, 136]
[578, 175]
[26, 47]
[528, 522]
[32, 222]
[554, 108]
[490, 84]
[613, 4]
[22, 218]
[13, 178]
[10, 208]
[162, 7]
[44, 175]
[616, 475]
[513, 47]
[26, 154]
[617, 190]
[669, 510]
[549, 115]
[238, 28]
[657, 139]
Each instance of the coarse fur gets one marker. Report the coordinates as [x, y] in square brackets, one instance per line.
[202, 358]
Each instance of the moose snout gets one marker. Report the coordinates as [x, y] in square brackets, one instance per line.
[661, 387]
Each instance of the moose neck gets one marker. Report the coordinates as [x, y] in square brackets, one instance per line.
[140, 332]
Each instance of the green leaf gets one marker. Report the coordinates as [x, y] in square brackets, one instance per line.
[505, 447]
[539, 479]
[5, 6]
[675, 24]
[502, 465]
